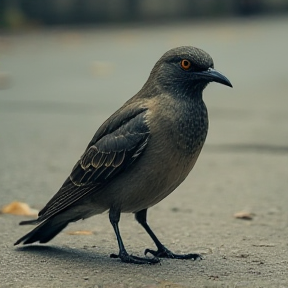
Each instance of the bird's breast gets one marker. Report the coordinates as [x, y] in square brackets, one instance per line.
[185, 125]
[178, 133]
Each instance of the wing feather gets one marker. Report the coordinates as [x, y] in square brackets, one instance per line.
[111, 152]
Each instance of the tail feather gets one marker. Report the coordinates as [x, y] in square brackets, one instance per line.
[42, 233]
[29, 222]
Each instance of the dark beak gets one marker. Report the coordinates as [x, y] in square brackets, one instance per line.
[213, 75]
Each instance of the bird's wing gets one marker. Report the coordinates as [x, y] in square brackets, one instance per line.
[119, 142]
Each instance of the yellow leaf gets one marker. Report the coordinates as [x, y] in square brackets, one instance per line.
[19, 208]
[244, 215]
[80, 232]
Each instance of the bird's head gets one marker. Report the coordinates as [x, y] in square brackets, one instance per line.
[185, 70]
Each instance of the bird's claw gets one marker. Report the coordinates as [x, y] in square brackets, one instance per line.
[165, 253]
[126, 258]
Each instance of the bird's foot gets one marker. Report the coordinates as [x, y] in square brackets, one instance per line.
[126, 258]
[163, 252]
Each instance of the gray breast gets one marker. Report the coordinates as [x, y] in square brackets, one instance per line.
[190, 127]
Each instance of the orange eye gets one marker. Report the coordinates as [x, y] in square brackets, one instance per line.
[186, 64]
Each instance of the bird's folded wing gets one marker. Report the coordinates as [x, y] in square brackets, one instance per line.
[112, 149]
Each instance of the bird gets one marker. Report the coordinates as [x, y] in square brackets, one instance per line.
[139, 155]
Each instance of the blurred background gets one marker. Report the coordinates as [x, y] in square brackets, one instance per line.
[16, 13]
[67, 65]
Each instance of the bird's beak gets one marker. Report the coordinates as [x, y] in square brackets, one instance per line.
[213, 75]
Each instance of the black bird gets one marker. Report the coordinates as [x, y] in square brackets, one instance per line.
[140, 154]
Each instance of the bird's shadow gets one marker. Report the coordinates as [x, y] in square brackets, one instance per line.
[67, 254]
[78, 256]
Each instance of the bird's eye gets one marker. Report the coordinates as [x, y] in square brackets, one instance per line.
[185, 64]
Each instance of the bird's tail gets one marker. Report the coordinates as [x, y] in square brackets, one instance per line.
[29, 222]
[43, 232]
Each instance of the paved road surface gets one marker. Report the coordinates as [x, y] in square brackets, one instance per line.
[65, 83]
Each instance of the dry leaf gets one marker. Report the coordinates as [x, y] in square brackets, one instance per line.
[244, 215]
[19, 208]
[80, 232]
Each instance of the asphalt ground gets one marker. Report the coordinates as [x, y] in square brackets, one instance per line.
[62, 83]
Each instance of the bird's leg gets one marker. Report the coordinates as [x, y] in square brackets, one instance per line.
[114, 216]
[162, 251]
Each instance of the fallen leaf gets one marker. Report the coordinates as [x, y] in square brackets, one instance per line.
[80, 232]
[244, 215]
[19, 208]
